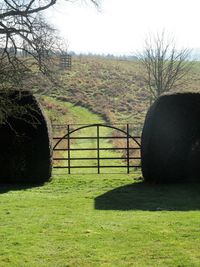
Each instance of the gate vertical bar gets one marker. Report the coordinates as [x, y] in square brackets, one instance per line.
[68, 148]
[128, 155]
[98, 151]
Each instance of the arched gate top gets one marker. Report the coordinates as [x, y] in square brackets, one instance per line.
[97, 125]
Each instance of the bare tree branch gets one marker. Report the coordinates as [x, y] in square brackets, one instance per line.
[23, 29]
[19, 19]
[24, 9]
[164, 65]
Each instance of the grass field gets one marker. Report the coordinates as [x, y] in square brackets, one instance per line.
[95, 220]
[100, 220]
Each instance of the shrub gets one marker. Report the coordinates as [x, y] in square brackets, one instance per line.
[25, 142]
[170, 147]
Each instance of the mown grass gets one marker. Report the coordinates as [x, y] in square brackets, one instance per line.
[100, 220]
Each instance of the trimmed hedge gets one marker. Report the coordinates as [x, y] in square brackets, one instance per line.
[25, 143]
[170, 146]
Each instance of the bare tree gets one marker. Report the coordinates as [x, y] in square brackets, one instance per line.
[18, 23]
[165, 66]
[22, 25]
[24, 61]
[24, 31]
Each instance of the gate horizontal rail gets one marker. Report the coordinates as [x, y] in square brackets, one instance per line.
[127, 148]
[93, 166]
[92, 137]
[96, 158]
[87, 149]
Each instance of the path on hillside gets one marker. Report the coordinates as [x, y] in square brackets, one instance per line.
[83, 115]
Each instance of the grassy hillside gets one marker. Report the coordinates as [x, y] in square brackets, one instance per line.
[113, 88]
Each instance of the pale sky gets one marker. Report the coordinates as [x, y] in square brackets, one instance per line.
[120, 26]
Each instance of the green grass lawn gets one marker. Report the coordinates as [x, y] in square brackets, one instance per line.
[100, 220]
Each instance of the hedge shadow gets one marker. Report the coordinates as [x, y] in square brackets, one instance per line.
[5, 188]
[151, 197]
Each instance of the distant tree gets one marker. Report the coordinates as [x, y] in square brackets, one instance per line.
[164, 65]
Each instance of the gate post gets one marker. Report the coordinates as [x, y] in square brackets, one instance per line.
[98, 152]
[128, 156]
[68, 148]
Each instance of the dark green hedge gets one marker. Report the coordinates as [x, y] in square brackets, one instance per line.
[25, 143]
[170, 146]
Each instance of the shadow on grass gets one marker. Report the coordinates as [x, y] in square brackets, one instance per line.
[148, 197]
[5, 188]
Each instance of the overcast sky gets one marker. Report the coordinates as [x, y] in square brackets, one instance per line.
[120, 26]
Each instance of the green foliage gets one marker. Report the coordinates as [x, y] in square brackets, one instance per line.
[25, 145]
[9, 106]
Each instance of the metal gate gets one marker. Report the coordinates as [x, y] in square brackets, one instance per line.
[68, 148]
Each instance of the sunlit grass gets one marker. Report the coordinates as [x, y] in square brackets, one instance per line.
[99, 220]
